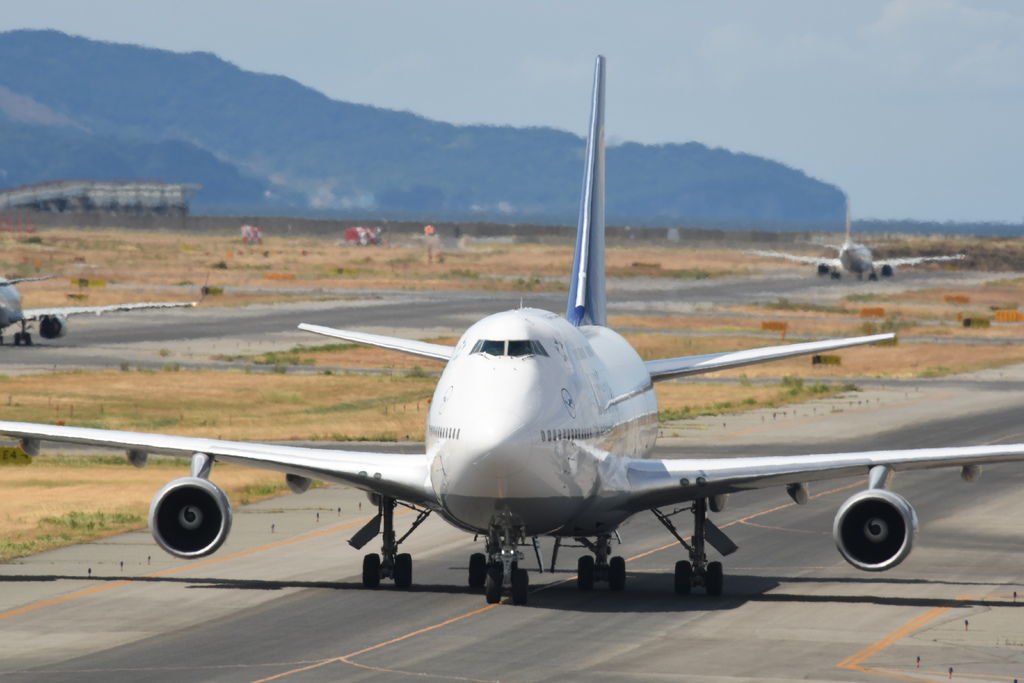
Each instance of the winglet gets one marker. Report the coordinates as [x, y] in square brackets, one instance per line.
[587, 304]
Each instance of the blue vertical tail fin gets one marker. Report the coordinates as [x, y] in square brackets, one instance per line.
[587, 304]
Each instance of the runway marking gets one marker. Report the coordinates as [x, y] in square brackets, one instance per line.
[782, 528]
[347, 659]
[93, 590]
[344, 659]
[856, 661]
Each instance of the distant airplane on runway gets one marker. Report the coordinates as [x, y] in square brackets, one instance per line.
[543, 425]
[53, 322]
[856, 259]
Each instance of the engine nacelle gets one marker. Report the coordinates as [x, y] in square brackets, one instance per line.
[298, 484]
[887, 271]
[823, 269]
[53, 326]
[190, 517]
[874, 530]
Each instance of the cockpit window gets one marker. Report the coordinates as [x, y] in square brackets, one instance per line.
[492, 347]
[514, 347]
[519, 348]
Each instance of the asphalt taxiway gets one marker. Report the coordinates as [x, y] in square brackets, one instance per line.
[195, 336]
[281, 600]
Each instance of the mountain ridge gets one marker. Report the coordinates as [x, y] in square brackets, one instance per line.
[313, 154]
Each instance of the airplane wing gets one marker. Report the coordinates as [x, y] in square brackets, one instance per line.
[811, 260]
[654, 483]
[410, 346]
[67, 311]
[406, 477]
[914, 260]
[669, 368]
[19, 280]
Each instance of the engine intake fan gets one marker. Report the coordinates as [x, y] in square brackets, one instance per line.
[190, 517]
[874, 530]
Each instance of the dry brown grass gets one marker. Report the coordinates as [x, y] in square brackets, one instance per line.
[57, 501]
[229, 405]
[174, 266]
[692, 398]
[903, 360]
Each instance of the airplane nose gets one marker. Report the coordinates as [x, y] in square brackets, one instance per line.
[498, 462]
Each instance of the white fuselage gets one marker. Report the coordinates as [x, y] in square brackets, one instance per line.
[10, 305]
[856, 258]
[532, 432]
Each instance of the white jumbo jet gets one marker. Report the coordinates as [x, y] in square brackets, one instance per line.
[542, 425]
[856, 259]
[53, 322]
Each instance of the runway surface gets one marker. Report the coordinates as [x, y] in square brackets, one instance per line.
[287, 605]
[194, 336]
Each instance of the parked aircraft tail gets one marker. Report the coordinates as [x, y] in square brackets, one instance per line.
[587, 304]
[848, 238]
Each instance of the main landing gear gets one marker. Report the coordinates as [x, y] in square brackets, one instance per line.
[697, 571]
[599, 567]
[389, 564]
[21, 338]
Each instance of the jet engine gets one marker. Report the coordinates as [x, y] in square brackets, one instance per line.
[887, 271]
[53, 326]
[823, 269]
[190, 517]
[875, 529]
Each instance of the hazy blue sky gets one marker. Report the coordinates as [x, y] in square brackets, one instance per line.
[914, 107]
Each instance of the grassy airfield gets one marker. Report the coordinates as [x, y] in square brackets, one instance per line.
[344, 392]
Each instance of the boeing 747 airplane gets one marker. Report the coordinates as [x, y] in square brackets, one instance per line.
[856, 259]
[53, 322]
[543, 425]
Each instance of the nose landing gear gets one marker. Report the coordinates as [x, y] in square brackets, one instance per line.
[499, 569]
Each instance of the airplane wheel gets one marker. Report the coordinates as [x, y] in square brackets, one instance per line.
[403, 570]
[617, 573]
[873, 277]
[520, 586]
[684, 577]
[17, 338]
[585, 573]
[714, 579]
[371, 570]
[26, 339]
[492, 585]
[477, 570]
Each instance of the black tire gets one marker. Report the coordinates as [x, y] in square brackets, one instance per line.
[617, 573]
[477, 570]
[17, 338]
[684, 577]
[26, 339]
[520, 586]
[585, 573]
[371, 570]
[403, 570]
[492, 585]
[714, 579]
